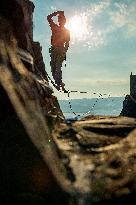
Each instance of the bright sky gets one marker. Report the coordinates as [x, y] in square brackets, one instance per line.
[102, 51]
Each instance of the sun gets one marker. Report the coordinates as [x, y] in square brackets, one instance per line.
[77, 25]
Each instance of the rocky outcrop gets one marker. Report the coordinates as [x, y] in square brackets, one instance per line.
[129, 104]
[38, 62]
[129, 107]
[27, 152]
[28, 9]
[27, 108]
[100, 158]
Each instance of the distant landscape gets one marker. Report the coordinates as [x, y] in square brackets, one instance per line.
[85, 106]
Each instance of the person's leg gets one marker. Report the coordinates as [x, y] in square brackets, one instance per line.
[57, 74]
[52, 62]
[59, 61]
[57, 58]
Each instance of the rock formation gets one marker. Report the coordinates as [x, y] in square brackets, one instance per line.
[129, 104]
[27, 105]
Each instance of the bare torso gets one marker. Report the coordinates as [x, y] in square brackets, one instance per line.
[60, 35]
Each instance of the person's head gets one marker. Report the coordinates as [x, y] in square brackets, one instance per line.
[61, 20]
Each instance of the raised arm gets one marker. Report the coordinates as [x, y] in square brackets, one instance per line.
[49, 17]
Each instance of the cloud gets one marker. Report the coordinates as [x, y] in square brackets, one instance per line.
[92, 35]
[96, 9]
[100, 82]
[106, 17]
[53, 8]
[117, 82]
[102, 19]
[124, 17]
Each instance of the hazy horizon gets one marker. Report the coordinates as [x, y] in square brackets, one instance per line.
[92, 98]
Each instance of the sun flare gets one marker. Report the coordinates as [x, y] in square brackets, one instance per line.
[77, 26]
[84, 30]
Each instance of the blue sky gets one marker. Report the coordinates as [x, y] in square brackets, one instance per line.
[100, 61]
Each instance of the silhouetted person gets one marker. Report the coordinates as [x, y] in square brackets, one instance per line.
[59, 45]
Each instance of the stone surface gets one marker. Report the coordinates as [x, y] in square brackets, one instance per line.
[28, 9]
[129, 107]
[38, 61]
[27, 153]
[101, 156]
[27, 108]
[129, 104]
